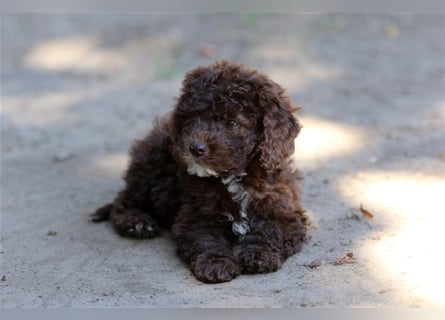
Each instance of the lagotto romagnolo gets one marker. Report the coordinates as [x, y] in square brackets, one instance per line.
[216, 171]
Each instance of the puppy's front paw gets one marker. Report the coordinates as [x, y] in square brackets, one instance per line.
[135, 224]
[214, 268]
[255, 259]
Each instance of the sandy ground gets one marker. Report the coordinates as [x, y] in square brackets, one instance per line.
[78, 89]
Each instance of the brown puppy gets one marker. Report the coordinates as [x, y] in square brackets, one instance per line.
[217, 172]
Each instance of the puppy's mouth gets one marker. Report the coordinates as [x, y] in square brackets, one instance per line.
[202, 162]
[197, 154]
[196, 169]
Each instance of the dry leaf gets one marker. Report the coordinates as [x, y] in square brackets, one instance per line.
[347, 259]
[392, 31]
[366, 213]
[440, 155]
[207, 50]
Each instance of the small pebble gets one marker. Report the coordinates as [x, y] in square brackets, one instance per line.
[373, 159]
[314, 264]
[63, 156]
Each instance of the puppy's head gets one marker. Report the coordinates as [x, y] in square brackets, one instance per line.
[229, 117]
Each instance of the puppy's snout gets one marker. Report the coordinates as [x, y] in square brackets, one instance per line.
[198, 148]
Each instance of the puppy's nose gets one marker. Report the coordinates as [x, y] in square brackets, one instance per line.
[198, 148]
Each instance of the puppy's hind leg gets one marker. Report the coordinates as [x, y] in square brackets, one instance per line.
[150, 199]
[102, 214]
[133, 222]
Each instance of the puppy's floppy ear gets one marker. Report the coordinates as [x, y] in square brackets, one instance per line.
[280, 128]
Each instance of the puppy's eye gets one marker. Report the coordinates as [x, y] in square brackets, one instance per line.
[233, 124]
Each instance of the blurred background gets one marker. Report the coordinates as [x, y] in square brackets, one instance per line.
[77, 89]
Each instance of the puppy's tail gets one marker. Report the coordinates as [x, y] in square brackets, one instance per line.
[102, 214]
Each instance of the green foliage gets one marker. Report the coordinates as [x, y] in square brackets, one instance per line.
[250, 19]
[165, 69]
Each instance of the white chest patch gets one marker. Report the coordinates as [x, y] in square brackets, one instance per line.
[241, 226]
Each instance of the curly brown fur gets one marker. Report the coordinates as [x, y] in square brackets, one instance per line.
[217, 172]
